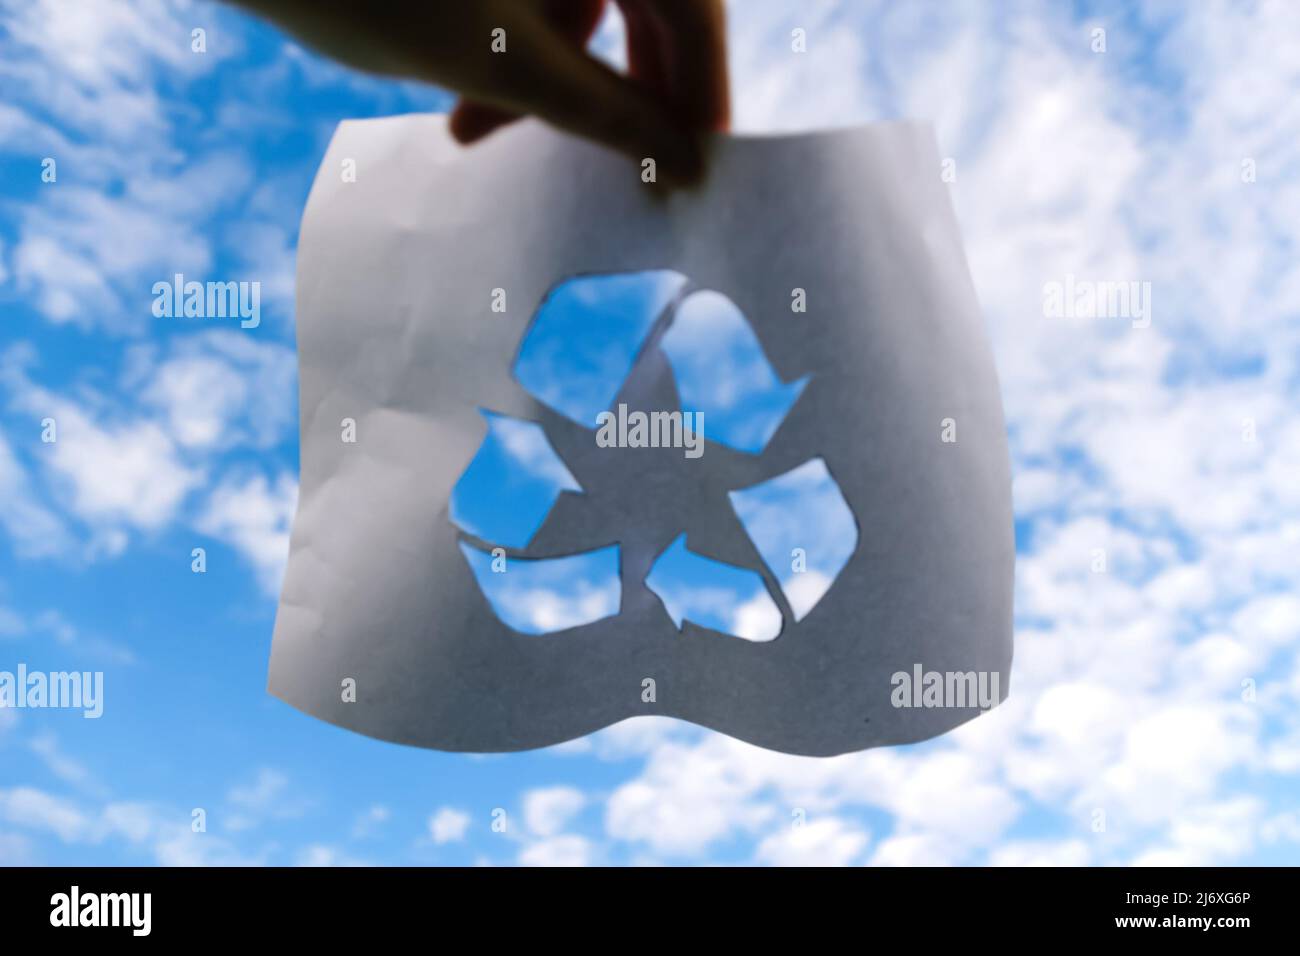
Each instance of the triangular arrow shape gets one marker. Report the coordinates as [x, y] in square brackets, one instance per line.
[708, 593]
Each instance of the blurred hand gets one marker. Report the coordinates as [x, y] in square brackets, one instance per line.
[676, 86]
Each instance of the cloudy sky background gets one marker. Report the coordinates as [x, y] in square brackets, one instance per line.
[1160, 697]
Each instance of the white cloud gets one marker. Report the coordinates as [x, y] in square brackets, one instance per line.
[121, 468]
[263, 794]
[92, 62]
[34, 529]
[319, 854]
[687, 798]
[566, 850]
[370, 820]
[1270, 620]
[254, 516]
[772, 83]
[177, 845]
[547, 810]
[913, 849]
[547, 601]
[1282, 827]
[1041, 853]
[16, 850]
[51, 625]
[11, 624]
[167, 836]
[633, 737]
[66, 768]
[825, 841]
[448, 825]
[222, 388]
[757, 618]
[1207, 835]
[91, 260]
[119, 217]
[127, 473]
[110, 472]
[530, 451]
[37, 810]
[267, 797]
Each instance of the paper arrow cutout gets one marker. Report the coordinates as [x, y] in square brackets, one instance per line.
[708, 593]
[722, 372]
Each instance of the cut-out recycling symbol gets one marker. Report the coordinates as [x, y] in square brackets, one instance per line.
[587, 338]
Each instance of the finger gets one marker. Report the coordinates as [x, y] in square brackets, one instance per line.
[575, 20]
[682, 46]
[470, 120]
[645, 46]
[546, 75]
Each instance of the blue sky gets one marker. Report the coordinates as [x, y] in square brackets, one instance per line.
[1170, 451]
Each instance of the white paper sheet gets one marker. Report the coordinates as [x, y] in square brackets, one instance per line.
[383, 626]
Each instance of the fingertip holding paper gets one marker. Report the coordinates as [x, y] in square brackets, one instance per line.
[471, 569]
